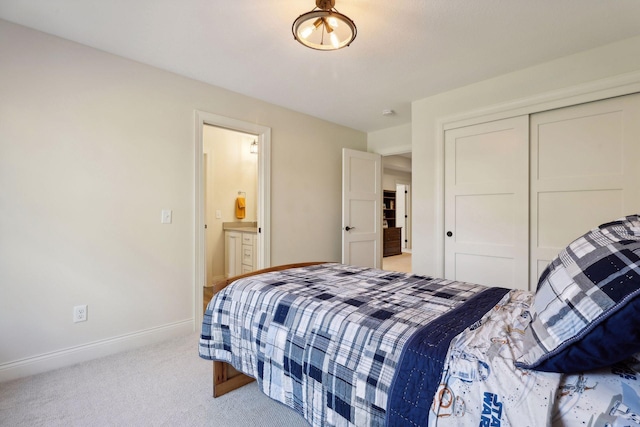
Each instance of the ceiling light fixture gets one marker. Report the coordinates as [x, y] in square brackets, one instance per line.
[324, 28]
[253, 148]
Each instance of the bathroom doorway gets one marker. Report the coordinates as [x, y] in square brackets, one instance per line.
[261, 135]
[230, 178]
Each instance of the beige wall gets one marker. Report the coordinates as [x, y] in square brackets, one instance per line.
[583, 68]
[391, 177]
[92, 148]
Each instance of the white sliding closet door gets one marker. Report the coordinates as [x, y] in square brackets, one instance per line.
[585, 170]
[487, 203]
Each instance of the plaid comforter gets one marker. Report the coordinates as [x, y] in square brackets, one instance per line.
[329, 340]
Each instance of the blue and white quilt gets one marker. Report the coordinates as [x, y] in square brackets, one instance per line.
[351, 346]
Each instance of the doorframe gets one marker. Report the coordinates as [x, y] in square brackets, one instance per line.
[620, 85]
[394, 151]
[263, 133]
[407, 211]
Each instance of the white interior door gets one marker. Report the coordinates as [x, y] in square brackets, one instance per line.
[486, 203]
[584, 172]
[361, 211]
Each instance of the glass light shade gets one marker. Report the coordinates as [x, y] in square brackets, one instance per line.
[324, 30]
[253, 148]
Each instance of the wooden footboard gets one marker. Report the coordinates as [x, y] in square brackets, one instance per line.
[225, 377]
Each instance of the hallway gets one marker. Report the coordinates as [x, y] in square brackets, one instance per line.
[400, 263]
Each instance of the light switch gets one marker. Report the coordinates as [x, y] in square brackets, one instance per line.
[166, 216]
[218, 214]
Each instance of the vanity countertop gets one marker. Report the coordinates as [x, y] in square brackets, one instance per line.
[244, 227]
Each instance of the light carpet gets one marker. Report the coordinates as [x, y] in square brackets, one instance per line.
[401, 263]
[165, 384]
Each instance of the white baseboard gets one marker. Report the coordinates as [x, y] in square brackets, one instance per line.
[93, 350]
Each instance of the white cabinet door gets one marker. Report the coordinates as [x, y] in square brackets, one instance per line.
[486, 203]
[232, 253]
[584, 172]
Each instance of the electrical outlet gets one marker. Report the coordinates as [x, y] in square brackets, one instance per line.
[80, 313]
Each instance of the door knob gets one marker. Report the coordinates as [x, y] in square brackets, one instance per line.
[349, 228]
[449, 234]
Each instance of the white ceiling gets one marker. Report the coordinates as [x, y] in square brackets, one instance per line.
[405, 49]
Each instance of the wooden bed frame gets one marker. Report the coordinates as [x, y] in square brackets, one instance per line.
[225, 377]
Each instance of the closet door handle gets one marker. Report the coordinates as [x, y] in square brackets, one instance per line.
[347, 228]
[449, 234]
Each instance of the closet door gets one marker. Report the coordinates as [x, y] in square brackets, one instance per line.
[584, 172]
[487, 203]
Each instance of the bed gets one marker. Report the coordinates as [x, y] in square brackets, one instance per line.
[345, 345]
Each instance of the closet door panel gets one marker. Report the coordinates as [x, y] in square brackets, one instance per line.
[563, 144]
[493, 270]
[561, 213]
[492, 223]
[484, 158]
[583, 172]
[486, 203]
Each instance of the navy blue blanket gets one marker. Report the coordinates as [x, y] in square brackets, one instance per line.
[422, 360]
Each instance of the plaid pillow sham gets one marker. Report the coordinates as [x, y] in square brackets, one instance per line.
[586, 312]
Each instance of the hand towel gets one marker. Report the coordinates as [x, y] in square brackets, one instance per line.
[240, 207]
